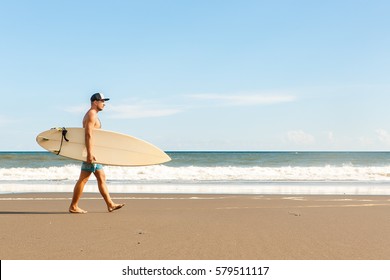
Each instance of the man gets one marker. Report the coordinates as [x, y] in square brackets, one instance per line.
[91, 122]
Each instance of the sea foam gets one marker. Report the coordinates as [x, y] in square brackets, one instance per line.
[164, 174]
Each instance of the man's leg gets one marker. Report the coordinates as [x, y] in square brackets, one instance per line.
[78, 191]
[101, 179]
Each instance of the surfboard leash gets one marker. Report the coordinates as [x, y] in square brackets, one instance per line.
[63, 132]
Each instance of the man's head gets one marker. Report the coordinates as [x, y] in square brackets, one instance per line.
[98, 96]
[98, 100]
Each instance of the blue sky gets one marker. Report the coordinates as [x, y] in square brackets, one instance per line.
[200, 75]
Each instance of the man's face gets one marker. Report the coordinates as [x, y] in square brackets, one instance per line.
[100, 105]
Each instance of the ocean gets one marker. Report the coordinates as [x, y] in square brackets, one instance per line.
[292, 173]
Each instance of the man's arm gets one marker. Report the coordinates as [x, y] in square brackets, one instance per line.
[89, 125]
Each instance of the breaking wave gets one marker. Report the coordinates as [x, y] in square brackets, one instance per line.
[163, 174]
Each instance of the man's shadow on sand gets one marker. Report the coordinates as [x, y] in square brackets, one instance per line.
[31, 213]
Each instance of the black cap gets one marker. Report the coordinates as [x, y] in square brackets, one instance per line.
[98, 96]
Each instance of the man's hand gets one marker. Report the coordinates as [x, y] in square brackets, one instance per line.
[91, 158]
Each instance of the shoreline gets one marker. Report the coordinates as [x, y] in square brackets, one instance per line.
[196, 227]
[209, 187]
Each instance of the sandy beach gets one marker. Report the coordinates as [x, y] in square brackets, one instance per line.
[195, 227]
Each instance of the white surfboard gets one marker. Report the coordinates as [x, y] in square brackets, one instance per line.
[110, 148]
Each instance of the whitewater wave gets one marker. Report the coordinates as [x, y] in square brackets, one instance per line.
[162, 173]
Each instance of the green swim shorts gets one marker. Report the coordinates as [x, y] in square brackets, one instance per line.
[91, 167]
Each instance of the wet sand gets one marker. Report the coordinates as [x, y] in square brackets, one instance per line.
[195, 227]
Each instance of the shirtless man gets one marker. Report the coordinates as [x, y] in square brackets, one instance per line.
[90, 122]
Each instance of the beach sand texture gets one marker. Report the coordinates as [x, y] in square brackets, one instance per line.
[195, 227]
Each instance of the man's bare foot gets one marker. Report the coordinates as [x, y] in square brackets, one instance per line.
[77, 211]
[115, 207]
